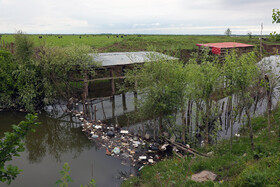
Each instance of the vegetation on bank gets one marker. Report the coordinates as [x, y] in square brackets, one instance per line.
[12, 144]
[239, 167]
[33, 77]
[116, 43]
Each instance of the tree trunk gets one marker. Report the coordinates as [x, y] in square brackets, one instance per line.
[251, 128]
[206, 130]
[269, 105]
[155, 127]
[229, 120]
[160, 124]
[183, 112]
[189, 125]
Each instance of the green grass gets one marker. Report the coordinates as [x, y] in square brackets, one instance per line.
[95, 41]
[134, 43]
[238, 167]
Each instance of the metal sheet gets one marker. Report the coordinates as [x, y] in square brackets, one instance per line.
[125, 58]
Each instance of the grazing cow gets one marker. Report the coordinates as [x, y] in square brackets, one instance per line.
[40, 37]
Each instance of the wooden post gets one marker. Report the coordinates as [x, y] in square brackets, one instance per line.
[113, 107]
[261, 40]
[135, 95]
[85, 90]
[135, 100]
[103, 110]
[124, 102]
[95, 110]
[112, 81]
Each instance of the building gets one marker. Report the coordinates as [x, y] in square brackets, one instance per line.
[224, 47]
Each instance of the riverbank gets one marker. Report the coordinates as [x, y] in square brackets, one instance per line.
[236, 167]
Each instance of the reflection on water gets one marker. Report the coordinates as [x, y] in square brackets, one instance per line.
[57, 141]
[57, 137]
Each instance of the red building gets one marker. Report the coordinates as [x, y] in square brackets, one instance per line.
[221, 48]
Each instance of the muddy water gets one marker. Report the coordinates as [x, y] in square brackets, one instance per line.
[59, 139]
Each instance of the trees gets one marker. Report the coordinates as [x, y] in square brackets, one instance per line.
[228, 32]
[161, 84]
[33, 77]
[275, 19]
[275, 16]
[12, 144]
[242, 74]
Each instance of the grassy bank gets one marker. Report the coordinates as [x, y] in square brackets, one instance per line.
[237, 167]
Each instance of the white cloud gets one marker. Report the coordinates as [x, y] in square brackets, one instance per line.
[131, 16]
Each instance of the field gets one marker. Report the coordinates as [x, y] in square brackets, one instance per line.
[113, 43]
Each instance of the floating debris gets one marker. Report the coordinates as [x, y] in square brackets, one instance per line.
[124, 131]
[131, 148]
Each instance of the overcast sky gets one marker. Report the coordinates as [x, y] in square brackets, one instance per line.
[137, 16]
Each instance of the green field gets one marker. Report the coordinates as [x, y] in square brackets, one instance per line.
[112, 43]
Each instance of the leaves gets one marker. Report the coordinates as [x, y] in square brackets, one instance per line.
[12, 144]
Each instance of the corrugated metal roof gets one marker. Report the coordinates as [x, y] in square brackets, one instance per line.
[125, 58]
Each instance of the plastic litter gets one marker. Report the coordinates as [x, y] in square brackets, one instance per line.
[116, 150]
[124, 132]
[94, 136]
[164, 147]
[110, 134]
[151, 161]
[98, 126]
[142, 157]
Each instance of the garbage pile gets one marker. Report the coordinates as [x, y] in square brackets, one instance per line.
[132, 149]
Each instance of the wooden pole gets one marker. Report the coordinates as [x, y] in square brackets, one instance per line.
[103, 110]
[113, 107]
[95, 110]
[112, 81]
[124, 102]
[261, 41]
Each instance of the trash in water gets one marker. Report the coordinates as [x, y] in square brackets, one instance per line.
[163, 148]
[116, 150]
[142, 157]
[94, 136]
[108, 152]
[125, 155]
[110, 134]
[140, 168]
[151, 161]
[98, 126]
[124, 132]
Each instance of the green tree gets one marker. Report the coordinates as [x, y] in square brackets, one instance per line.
[161, 84]
[270, 81]
[275, 16]
[228, 32]
[34, 77]
[275, 19]
[8, 91]
[244, 74]
[12, 144]
[204, 81]
[249, 35]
